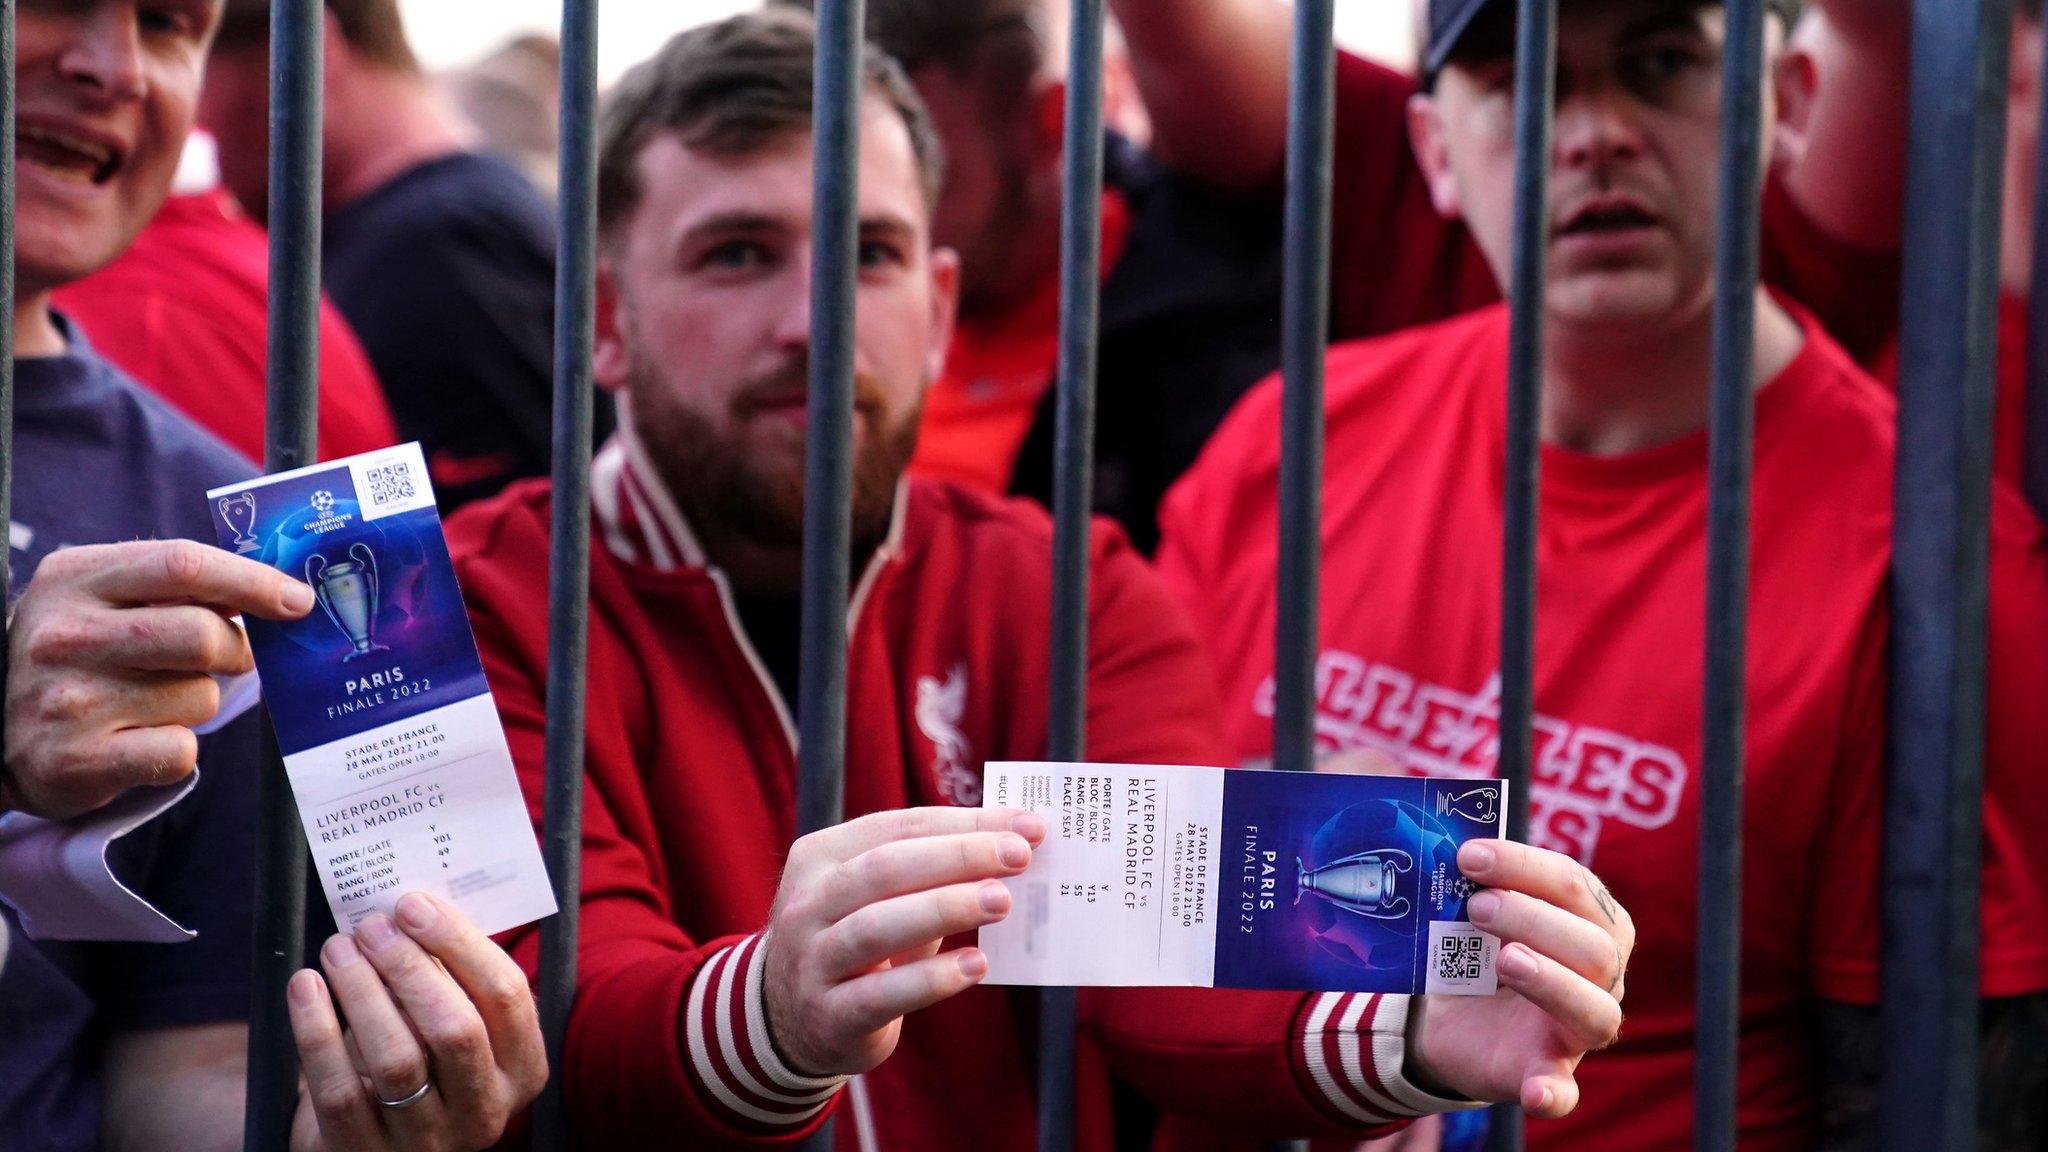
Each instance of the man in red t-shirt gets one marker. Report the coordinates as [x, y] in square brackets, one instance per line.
[1411, 539]
[185, 310]
[719, 1006]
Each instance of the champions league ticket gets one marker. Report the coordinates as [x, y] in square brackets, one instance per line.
[1214, 878]
[390, 737]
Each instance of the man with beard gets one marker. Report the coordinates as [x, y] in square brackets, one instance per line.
[718, 1006]
[1412, 538]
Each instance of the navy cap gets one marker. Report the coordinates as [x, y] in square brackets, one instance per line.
[1448, 20]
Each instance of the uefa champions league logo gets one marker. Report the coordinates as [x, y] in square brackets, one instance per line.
[323, 503]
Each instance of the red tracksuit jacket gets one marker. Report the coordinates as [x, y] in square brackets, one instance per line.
[690, 806]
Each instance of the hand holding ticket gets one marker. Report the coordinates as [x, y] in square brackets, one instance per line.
[1213, 878]
[390, 737]
[1236, 879]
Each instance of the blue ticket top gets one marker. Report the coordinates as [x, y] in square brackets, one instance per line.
[390, 638]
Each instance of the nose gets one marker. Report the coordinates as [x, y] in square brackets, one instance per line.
[1593, 126]
[104, 54]
[793, 306]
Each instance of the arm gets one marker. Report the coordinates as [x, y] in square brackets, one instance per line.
[1213, 75]
[744, 1039]
[1843, 120]
[1289, 1064]
[2012, 1085]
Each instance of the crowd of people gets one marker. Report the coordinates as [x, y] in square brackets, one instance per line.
[738, 985]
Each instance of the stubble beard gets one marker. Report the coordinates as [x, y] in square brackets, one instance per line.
[728, 495]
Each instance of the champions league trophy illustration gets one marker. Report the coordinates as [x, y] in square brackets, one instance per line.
[348, 591]
[1481, 804]
[239, 513]
[1363, 883]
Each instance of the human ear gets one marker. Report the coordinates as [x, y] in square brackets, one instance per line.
[1426, 136]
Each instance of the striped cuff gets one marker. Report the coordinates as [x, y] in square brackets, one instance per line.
[730, 1054]
[1354, 1046]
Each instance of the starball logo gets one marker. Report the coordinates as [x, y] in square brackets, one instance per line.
[325, 519]
[1580, 776]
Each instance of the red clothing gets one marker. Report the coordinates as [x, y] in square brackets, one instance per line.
[183, 310]
[1408, 665]
[998, 369]
[690, 806]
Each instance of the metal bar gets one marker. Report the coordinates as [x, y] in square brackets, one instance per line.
[1940, 562]
[1730, 435]
[1304, 339]
[1535, 88]
[1304, 342]
[569, 549]
[1073, 499]
[828, 445]
[290, 407]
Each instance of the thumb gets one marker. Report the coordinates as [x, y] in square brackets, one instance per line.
[1548, 1089]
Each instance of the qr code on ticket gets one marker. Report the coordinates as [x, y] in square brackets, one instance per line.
[391, 483]
[1460, 959]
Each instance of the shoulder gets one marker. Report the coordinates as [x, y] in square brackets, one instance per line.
[167, 443]
[505, 532]
[950, 530]
[462, 201]
[1361, 379]
[1824, 385]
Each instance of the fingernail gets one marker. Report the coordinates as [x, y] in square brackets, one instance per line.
[1015, 852]
[1483, 907]
[1476, 858]
[376, 931]
[341, 952]
[300, 988]
[1029, 825]
[1516, 964]
[973, 963]
[1549, 1097]
[418, 912]
[995, 897]
[297, 597]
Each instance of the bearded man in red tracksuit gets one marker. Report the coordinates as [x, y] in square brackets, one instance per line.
[717, 1007]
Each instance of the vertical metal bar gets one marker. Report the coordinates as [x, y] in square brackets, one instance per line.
[1940, 562]
[1535, 88]
[1073, 498]
[1730, 426]
[1304, 342]
[1304, 339]
[2036, 439]
[828, 446]
[569, 549]
[291, 391]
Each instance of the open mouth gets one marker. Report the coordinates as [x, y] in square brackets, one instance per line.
[64, 155]
[1606, 216]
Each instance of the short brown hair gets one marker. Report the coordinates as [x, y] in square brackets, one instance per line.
[735, 87]
[373, 29]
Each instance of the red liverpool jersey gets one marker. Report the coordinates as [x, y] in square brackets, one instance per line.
[1409, 646]
[690, 806]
